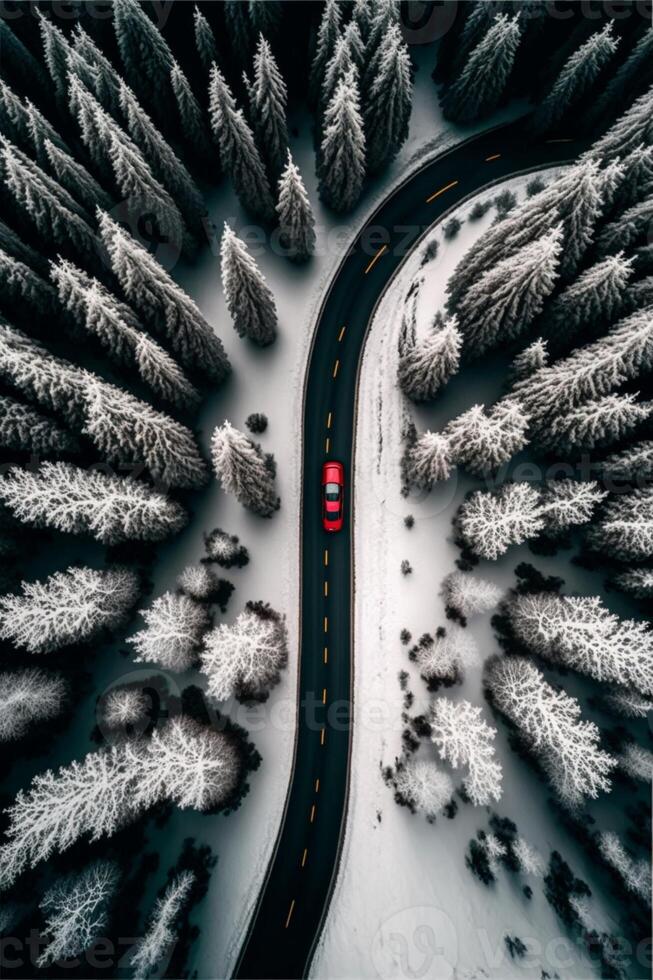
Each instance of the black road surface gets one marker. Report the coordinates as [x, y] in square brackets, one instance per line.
[293, 902]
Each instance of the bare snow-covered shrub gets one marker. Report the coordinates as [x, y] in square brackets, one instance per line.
[191, 766]
[124, 706]
[162, 925]
[483, 441]
[244, 470]
[245, 659]
[463, 738]
[174, 628]
[225, 549]
[76, 911]
[550, 723]
[422, 785]
[198, 581]
[636, 875]
[446, 659]
[27, 696]
[628, 704]
[567, 503]
[68, 607]
[490, 522]
[469, 594]
[530, 860]
[637, 761]
[624, 528]
[638, 582]
[428, 460]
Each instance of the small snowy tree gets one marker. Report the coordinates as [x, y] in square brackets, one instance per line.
[182, 762]
[76, 911]
[483, 441]
[628, 704]
[530, 860]
[296, 221]
[463, 738]
[124, 707]
[26, 697]
[244, 470]
[247, 295]
[427, 364]
[628, 230]
[630, 130]
[469, 595]
[75, 179]
[447, 658]
[388, 100]
[490, 522]
[95, 70]
[164, 305]
[637, 761]
[624, 81]
[327, 35]
[24, 429]
[205, 43]
[428, 460]
[191, 120]
[549, 722]
[597, 295]
[638, 582]
[268, 96]
[67, 608]
[478, 89]
[421, 785]
[529, 360]
[245, 660]
[578, 75]
[580, 633]
[567, 503]
[341, 167]
[624, 529]
[110, 509]
[173, 632]
[238, 152]
[225, 549]
[162, 927]
[636, 875]
[145, 54]
[198, 581]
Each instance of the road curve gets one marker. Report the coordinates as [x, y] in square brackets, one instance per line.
[293, 902]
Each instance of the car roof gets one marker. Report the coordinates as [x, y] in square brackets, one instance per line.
[332, 470]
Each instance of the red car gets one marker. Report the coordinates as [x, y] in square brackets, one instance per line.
[333, 496]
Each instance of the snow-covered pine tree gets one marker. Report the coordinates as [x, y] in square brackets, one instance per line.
[627, 704]
[12, 244]
[637, 582]
[426, 365]
[576, 78]
[633, 465]
[27, 697]
[628, 230]
[182, 762]
[247, 295]
[164, 305]
[268, 97]
[77, 501]
[245, 660]
[24, 429]
[637, 182]
[98, 312]
[341, 167]
[354, 41]
[624, 529]
[23, 287]
[625, 80]
[327, 35]
[566, 503]
[96, 71]
[174, 626]
[502, 304]
[75, 178]
[118, 158]
[163, 926]
[145, 55]
[20, 64]
[295, 215]
[388, 101]
[238, 152]
[637, 761]
[22, 122]
[205, 43]
[478, 89]
[244, 470]
[640, 294]
[52, 211]
[266, 16]
[490, 522]
[636, 875]
[239, 28]
[529, 360]
[590, 371]
[55, 54]
[596, 296]
[578, 632]
[385, 16]
[338, 66]
[76, 910]
[467, 594]
[630, 130]
[483, 441]
[463, 738]
[593, 424]
[162, 160]
[549, 721]
[428, 461]
[446, 659]
[67, 608]
[191, 122]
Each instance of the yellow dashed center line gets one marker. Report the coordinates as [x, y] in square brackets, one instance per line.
[495, 156]
[326, 556]
[312, 813]
[326, 624]
[317, 785]
[329, 416]
[341, 334]
[381, 251]
[322, 736]
[324, 695]
[326, 655]
[335, 369]
[327, 444]
[304, 856]
[326, 588]
[290, 912]
[447, 187]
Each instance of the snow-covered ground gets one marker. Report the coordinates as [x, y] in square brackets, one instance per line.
[405, 904]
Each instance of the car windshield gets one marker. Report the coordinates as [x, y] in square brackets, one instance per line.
[332, 515]
[332, 491]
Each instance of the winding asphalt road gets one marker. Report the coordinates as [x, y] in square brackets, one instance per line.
[294, 900]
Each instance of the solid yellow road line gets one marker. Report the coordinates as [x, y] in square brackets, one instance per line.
[447, 187]
[290, 912]
[326, 556]
[381, 251]
[329, 420]
[326, 624]
[327, 444]
[324, 695]
[322, 736]
[326, 588]
[326, 654]
[312, 813]
[304, 856]
[495, 156]
[317, 785]
[335, 369]
[341, 334]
